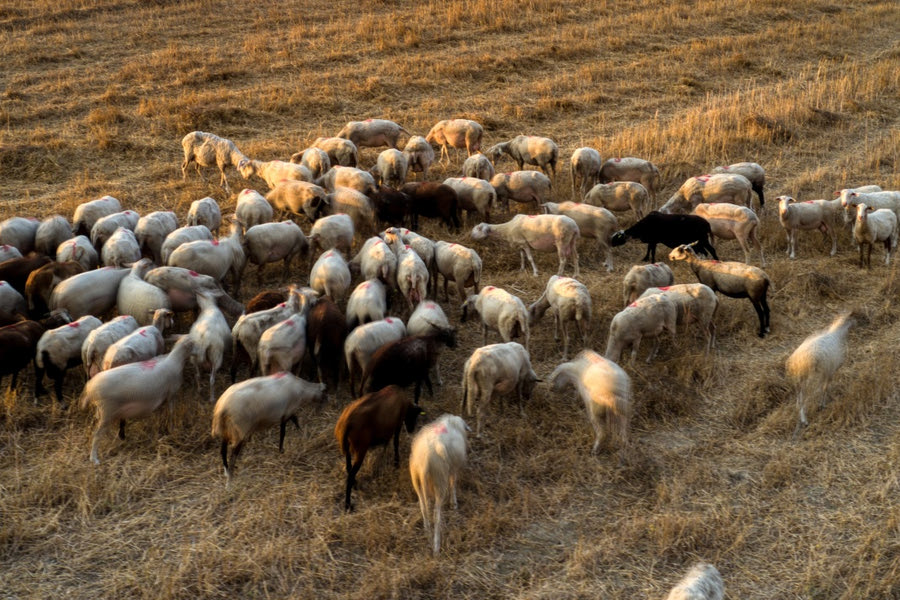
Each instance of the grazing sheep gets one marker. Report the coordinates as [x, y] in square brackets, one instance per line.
[257, 404]
[210, 335]
[497, 369]
[89, 293]
[87, 213]
[732, 279]
[874, 226]
[265, 300]
[372, 133]
[205, 150]
[795, 216]
[458, 264]
[138, 298]
[141, 344]
[282, 346]
[620, 196]
[593, 222]
[367, 303]
[420, 244]
[412, 275]
[348, 201]
[100, 339]
[183, 286]
[585, 165]
[702, 582]
[78, 249]
[633, 169]
[18, 342]
[390, 168]
[456, 133]
[694, 302]
[205, 211]
[8, 252]
[152, 230]
[436, 457]
[528, 150]
[605, 389]
[435, 201]
[645, 317]
[641, 277]
[273, 171]
[19, 232]
[298, 198]
[815, 361]
[58, 350]
[536, 232]
[183, 235]
[393, 207]
[314, 159]
[376, 260]
[501, 311]
[571, 302]
[253, 209]
[851, 198]
[340, 151]
[363, 341]
[724, 187]
[330, 276]
[216, 258]
[326, 332]
[271, 242]
[670, 230]
[370, 421]
[474, 195]
[106, 226]
[348, 177]
[16, 271]
[754, 173]
[134, 390]
[41, 282]
[331, 232]
[51, 232]
[249, 328]
[480, 166]
[120, 249]
[731, 222]
[419, 155]
[12, 302]
[522, 187]
[428, 319]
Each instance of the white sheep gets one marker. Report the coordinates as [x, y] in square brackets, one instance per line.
[633, 169]
[376, 260]
[134, 390]
[420, 244]
[813, 364]
[620, 196]
[120, 249]
[79, 249]
[273, 171]
[87, 213]
[152, 230]
[357, 205]
[8, 251]
[205, 211]
[314, 159]
[183, 235]
[522, 187]
[271, 242]
[571, 302]
[89, 293]
[372, 133]
[458, 264]
[207, 149]
[333, 231]
[11, 301]
[330, 276]
[754, 173]
[874, 226]
[253, 209]
[141, 344]
[723, 187]
[363, 341]
[501, 311]
[796, 216]
[528, 150]
[474, 195]
[282, 346]
[428, 319]
[456, 133]
[641, 277]
[106, 226]
[731, 222]
[100, 339]
[412, 275]
[249, 328]
[52, 232]
[348, 177]
[702, 582]
[138, 298]
[593, 222]
[19, 232]
[851, 198]
[480, 166]
[605, 389]
[256, 404]
[645, 317]
[585, 165]
[436, 457]
[183, 285]
[390, 168]
[536, 232]
[419, 155]
[497, 369]
[367, 303]
[210, 335]
[340, 151]
[58, 350]
[694, 303]
[298, 198]
[216, 258]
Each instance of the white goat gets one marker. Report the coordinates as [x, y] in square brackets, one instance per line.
[795, 216]
[702, 582]
[645, 317]
[205, 150]
[528, 150]
[732, 222]
[501, 311]
[571, 302]
[536, 232]
[205, 211]
[641, 277]
[210, 335]
[593, 222]
[874, 226]
[363, 341]
[497, 369]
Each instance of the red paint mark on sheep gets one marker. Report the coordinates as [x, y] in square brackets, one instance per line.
[390, 320]
[430, 305]
[279, 375]
[632, 305]
[489, 288]
[215, 242]
[364, 285]
[148, 365]
[439, 429]
[143, 332]
[282, 305]
[193, 273]
[75, 324]
[665, 288]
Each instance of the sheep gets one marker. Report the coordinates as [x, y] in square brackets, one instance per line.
[12, 302]
[436, 457]
[257, 404]
[298, 198]
[106, 226]
[87, 213]
[249, 327]
[585, 165]
[645, 317]
[501, 311]
[633, 169]
[205, 211]
[372, 420]
[253, 209]
[805, 215]
[754, 173]
[702, 582]
[331, 232]
[58, 350]
[376, 260]
[349, 177]
[732, 279]
[619, 196]
[523, 187]
[536, 232]
[271, 242]
[435, 201]
[205, 150]
[283, 345]
[694, 302]
[473, 195]
[330, 275]
[641, 277]
[812, 366]
[528, 150]
[326, 332]
[367, 303]
[19, 232]
[480, 166]
[273, 171]
[100, 339]
[492, 370]
[89, 293]
[850, 199]
[18, 342]
[141, 344]
[459, 264]
[16, 271]
[183, 235]
[134, 390]
[344, 200]
[138, 298]
[363, 341]
[210, 335]
[419, 155]
[874, 226]
[390, 168]
[78, 249]
[724, 187]
[41, 282]
[412, 275]
[605, 389]
[428, 318]
[216, 258]
[265, 300]
[420, 244]
[120, 249]
[152, 230]
[340, 151]
[52, 232]
[593, 222]
[372, 133]
[393, 207]
[731, 222]
[8, 252]
[314, 159]
[670, 230]
[456, 133]
[570, 301]
[183, 286]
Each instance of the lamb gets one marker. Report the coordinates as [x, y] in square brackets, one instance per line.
[333, 231]
[428, 319]
[419, 155]
[570, 301]
[19, 232]
[702, 582]
[205, 211]
[376, 260]
[732, 279]
[641, 277]
[52, 232]
[435, 201]
[412, 275]
[87, 213]
[326, 332]
[152, 230]
[390, 168]
[314, 159]
[536, 232]
[8, 252]
[249, 328]
[354, 203]
[372, 133]
[298, 198]
[812, 366]
[369, 421]
[58, 350]
[806, 216]
[619, 196]
[850, 199]
[106, 226]
[134, 390]
[456, 133]
[670, 230]
[437, 455]
[216, 258]
[340, 151]
[724, 187]
[367, 303]
[271, 242]
[458, 264]
[473, 195]
[605, 389]
[257, 404]
[528, 150]
[138, 298]
[78, 249]
[205, 150]
[16, 271]
[732, 222]
[183, 286]
[478, 165]
[363, 341]
[492, 370]
[501, 311]
[100, 339]
[141, 344]
[523, 187]
[330, 276]
[633, 169]
[89, 293]
[253, 209]
[210, 335]
[41, 282]
[183, 235]
[273, 171]
[585, 165]
[18, 342]
[645, 317]
[874, 226]
[593, 222]
[754, 173]
[120, 249]
[694, 302]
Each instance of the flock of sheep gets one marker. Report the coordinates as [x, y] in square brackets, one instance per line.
[53, 295]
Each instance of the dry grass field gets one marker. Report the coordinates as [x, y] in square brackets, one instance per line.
[95, 97]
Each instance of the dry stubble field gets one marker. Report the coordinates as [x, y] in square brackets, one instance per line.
[94, 98]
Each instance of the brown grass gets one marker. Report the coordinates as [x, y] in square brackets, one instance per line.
[95, 98]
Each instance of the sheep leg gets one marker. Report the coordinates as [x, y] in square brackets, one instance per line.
[565, 337]
[234, 454]
[281, 436]
[39, 389]
[58, 386]
[95, 442]
[438, 500]
[121, 429]
[453, 491]
[653, 350]
[650, 256]
[598, 434]
[428, 383]
[224, 452]
[527, 249]
[801, 420]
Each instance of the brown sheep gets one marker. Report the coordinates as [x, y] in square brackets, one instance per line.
[40, 284]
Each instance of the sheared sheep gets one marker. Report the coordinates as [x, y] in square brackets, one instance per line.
[348, 201]
[585, 165]
[754, 173]
[89, 293]
[138, 298]
[480, 166]
[522, 187]
[87, 213]
[796, 216]
[100, 339]
[216, 258]
[333, 231]
[120, 249]
[330, 276]
[570, 301]
[724, 187]
[58, 350]
[183, 235]
[273, 171]
[427, 319]
[501, 311]
[106, 226]
[536, 232]
[314, 159]
[528, 150]
[249, 327]
[458, 264]
[340, 151]
[593, 222]
[372, 133]
[390, 168]
[205, 211]
[731, 222]
[474, 195]
[207, 149]
[419, 155]
[456, 133]
[412, 275]
[141, 344]
[851, 198]
[874, 226]
[19, 232]
[78, 249]
[41, 282]
[211, 335]
[363, 341]
[367, 303]
[702, 582]
[253, 209]
[694, 302]
[271, 242]
[52, 232]
[620, 196]
[298, 198]
[645, 317]
[152, 230]
[641, 277]
[633, 169]
[497, 369]
[376, 260]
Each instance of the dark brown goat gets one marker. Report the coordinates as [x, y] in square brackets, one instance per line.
[15, 271]
[18, 342]
[434, 200]
[40, 284]
[326, 331]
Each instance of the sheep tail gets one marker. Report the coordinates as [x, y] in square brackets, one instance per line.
[42, 359]
[223, 427]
